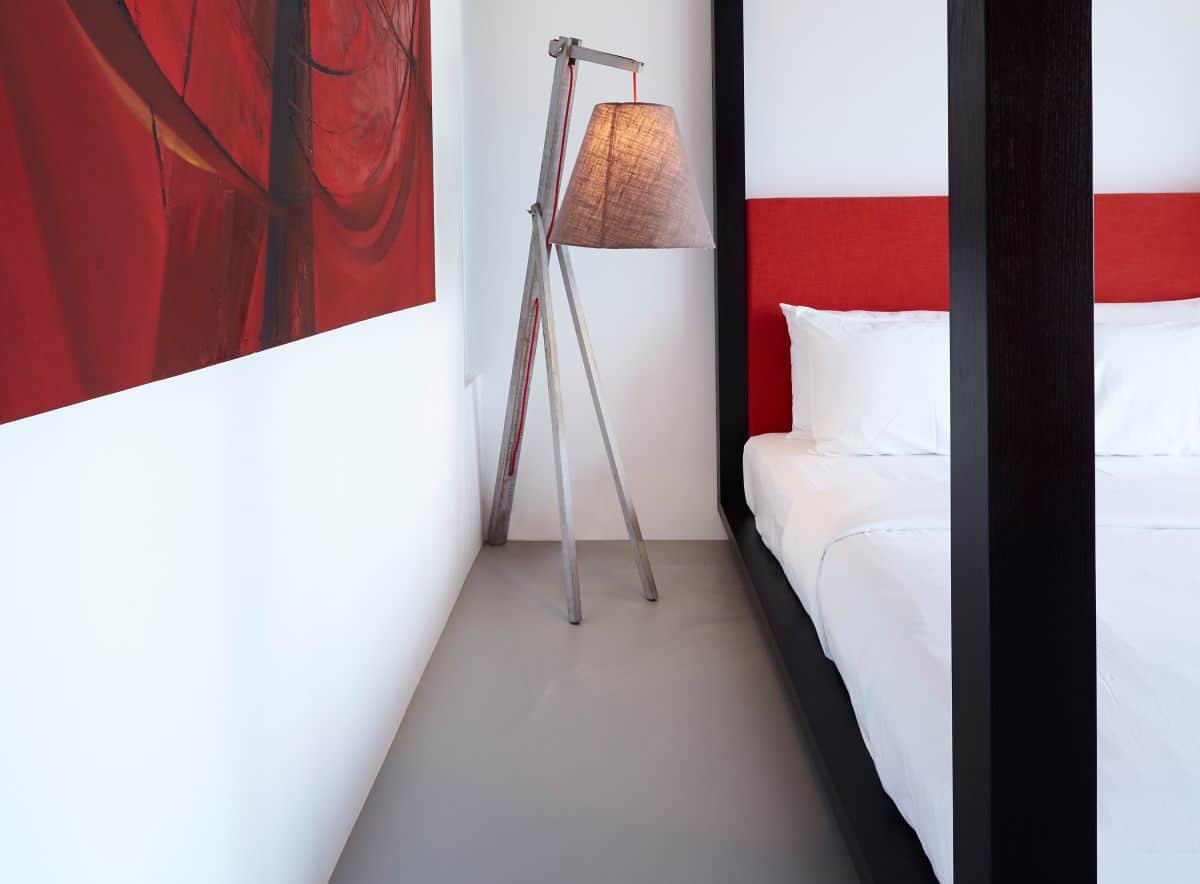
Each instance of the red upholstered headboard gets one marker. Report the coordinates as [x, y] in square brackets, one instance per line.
[892, 253]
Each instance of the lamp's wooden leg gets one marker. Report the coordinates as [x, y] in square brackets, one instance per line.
[518, 391]
[649, 590]
[557, 125]
[554, 383]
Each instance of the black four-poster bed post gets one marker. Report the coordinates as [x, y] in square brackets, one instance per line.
[729, 231]
[1023, 470]
[1023, 475]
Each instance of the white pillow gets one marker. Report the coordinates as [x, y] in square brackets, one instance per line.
[1148, 388]
[875, 384]
[1149, 311]
[797, 322]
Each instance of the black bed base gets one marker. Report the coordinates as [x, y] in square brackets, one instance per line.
[884, 847]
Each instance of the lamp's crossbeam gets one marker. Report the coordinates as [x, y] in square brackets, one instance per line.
[536, 310]
[577, 51]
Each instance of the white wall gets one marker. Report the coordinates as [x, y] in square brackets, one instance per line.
[845, 99]
[650, 313]
[849, 99]
[1147, 119]
[217, 592]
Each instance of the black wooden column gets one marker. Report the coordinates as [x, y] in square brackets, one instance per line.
[729, 171]
[1024, 624]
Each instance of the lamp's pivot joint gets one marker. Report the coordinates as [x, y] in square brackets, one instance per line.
[559, 45]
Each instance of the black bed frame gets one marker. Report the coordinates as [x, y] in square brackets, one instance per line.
[1023, 496]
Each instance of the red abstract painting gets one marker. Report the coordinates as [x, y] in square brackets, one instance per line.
[188, 181]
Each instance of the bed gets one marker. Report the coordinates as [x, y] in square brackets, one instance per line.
[865, 544]
[848, 557]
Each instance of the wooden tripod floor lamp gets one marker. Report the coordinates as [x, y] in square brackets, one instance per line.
[631, 188]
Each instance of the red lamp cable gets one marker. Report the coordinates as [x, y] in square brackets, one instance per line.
[562, 148]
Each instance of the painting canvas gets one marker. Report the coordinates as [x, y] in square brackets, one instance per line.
[188, 181]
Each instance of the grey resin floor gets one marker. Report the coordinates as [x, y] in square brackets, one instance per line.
[653, 743]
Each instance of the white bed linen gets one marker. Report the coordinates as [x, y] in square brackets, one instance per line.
[865, 543]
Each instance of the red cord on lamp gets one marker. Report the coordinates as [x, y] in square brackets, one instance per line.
[562, 151]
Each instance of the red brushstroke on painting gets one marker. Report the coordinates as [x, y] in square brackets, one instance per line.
[144, 232]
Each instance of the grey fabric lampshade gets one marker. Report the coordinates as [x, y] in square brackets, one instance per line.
[632, 187]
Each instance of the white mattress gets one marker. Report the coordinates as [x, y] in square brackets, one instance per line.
[865, 543]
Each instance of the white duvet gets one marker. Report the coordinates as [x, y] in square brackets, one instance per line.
[865, 542]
